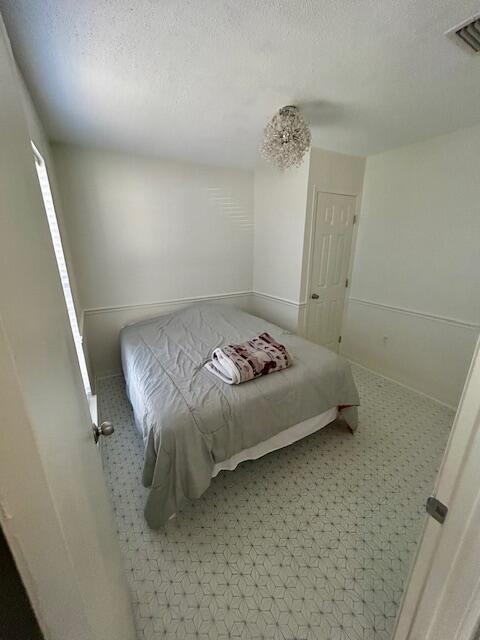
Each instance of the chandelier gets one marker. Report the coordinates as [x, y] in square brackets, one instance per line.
[286, 138]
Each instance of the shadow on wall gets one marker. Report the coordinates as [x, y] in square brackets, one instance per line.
[17, 620]
[225, 205]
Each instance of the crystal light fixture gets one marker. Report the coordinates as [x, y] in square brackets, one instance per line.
[286, 138]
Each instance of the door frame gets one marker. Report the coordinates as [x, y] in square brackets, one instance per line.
[309, 249]
[441, 600]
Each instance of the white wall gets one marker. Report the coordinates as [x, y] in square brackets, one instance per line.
[146, 231]
[192, 237]
[280, 204]
[418, 261]
[280, 199]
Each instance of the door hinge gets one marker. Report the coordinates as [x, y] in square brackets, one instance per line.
[346, 282]
[339, 339]
[436, 509]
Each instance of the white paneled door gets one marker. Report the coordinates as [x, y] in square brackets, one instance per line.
[331, 245]
[442, 596]
[55, 509]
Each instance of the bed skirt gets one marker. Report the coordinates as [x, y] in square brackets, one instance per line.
[278, 441]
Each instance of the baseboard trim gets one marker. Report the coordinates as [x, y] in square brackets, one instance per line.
[166, 303]
[401, 384]
[419, 314]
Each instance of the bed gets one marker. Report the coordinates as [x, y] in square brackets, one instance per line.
[194, 425]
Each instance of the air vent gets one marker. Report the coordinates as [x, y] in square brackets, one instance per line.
[467, 34]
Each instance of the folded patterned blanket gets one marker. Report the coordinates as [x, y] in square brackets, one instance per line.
[238, 363]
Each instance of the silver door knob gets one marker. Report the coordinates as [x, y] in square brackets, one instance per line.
[105, 429]
[315, 296]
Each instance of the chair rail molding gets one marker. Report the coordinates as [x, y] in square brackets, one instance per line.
[411, 347]
[282, 311]
[166, 303]
[286, 301]
[102, 325]
[414, 312]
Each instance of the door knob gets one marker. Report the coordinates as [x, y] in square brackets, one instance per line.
[105, 429]
[315, 296]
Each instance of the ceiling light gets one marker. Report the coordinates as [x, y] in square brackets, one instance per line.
[286, 138]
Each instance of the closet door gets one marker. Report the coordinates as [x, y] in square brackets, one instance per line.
[332, 240]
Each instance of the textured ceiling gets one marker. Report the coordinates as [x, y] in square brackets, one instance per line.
[197, 79]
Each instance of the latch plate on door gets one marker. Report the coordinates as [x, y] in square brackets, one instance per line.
[436, 509]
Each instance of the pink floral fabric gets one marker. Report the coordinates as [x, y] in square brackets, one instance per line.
[237, 363]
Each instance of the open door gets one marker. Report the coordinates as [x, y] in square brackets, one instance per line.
[442, 598]
[54, 506]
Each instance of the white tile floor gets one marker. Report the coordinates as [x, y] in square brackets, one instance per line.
[313, 541]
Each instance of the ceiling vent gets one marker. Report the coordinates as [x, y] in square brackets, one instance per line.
[467, 34]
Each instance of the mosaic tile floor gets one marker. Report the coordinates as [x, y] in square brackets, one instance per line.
[312, 541]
